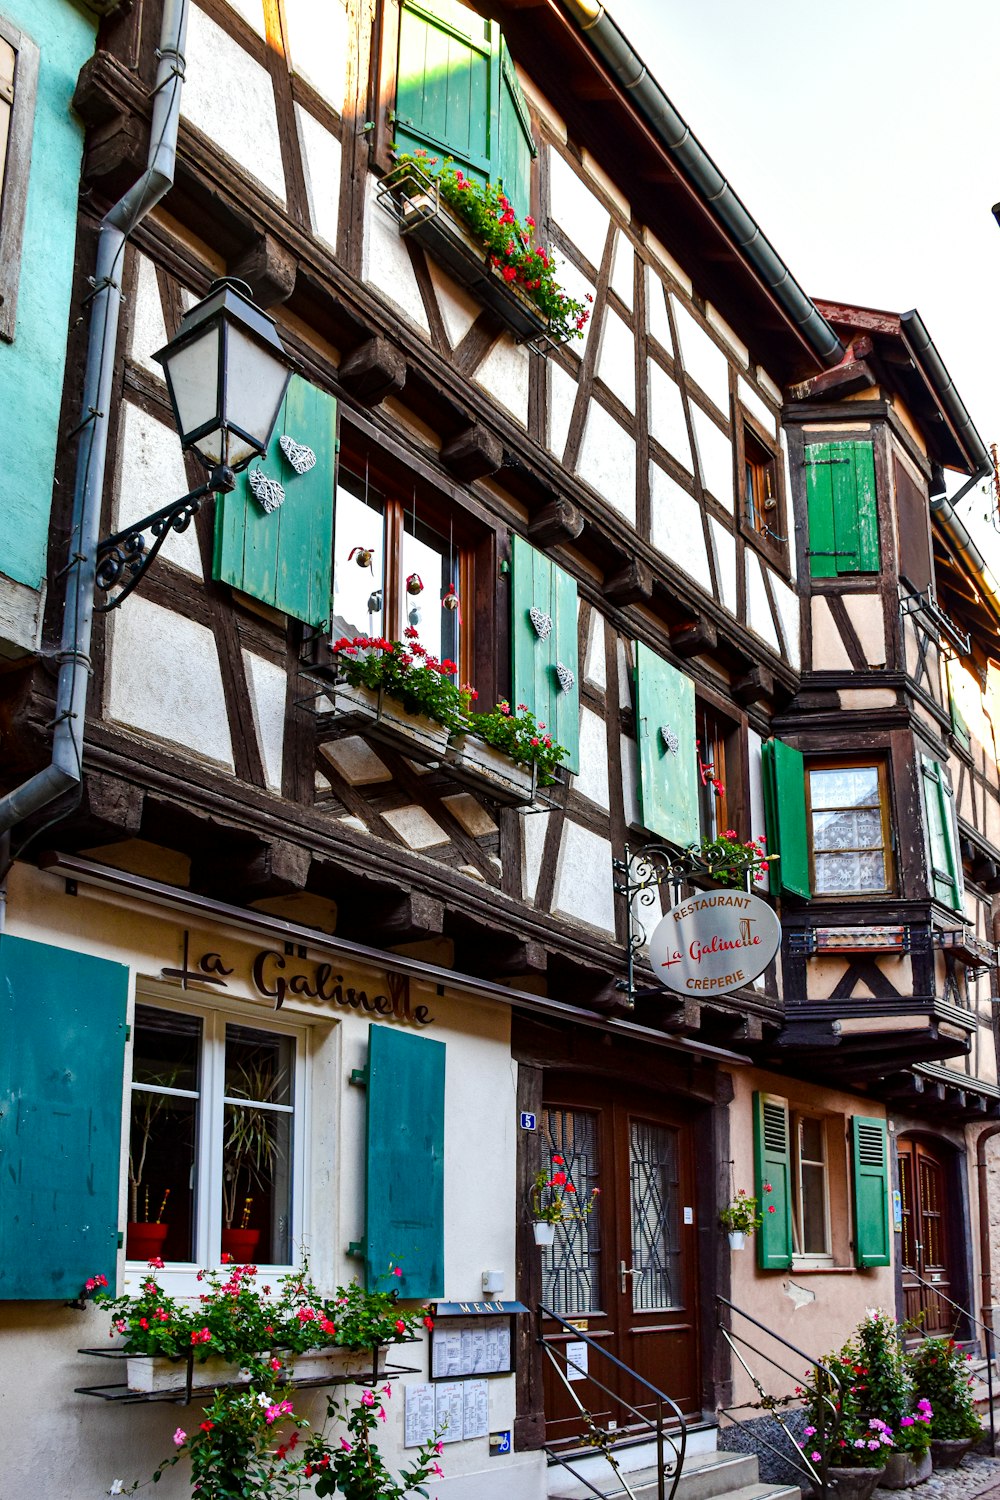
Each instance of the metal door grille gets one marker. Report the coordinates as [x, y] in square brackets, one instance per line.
[571, 1266]
[655, 1195]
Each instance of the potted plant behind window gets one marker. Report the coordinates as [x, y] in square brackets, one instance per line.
[145, 1237]
[250, 1153]
[554, 1200]
[740, 1217]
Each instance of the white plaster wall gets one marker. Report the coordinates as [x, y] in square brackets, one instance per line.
[458, 308]
[666, 260]
[725, 563]
[592, 780]
[583, 886]
[630, 782]
[715, 456]
[386, 265]
[794, 523]
[229, 96]
[702, 358]
[666, 415]
[787, 601]
[595, 672]
[865, 614]
[576, 210]
[607, 460]
[828, 652]
[676, 526]
[756, 407]
[252, 12]
[657, 320]
[562, 398]
[533, 827]
[149, 331]
[623, 268]
[267, 682]
[163, 679]
[321, 156]
[152, 474]
[616, 361]
[318, 45]
[759, 616]
[504, 373]
[755, 771]
[579, 289]
[727, 335]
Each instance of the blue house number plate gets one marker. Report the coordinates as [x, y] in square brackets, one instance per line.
[528, 1121]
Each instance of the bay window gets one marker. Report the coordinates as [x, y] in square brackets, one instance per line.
[849, 826]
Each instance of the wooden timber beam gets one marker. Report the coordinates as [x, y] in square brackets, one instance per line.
[373, 371]
[560, 521]
[474, 453]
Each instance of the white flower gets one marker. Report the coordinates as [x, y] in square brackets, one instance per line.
[117, 1487]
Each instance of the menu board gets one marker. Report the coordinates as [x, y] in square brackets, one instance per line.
[451, 1411]
[471, 1346]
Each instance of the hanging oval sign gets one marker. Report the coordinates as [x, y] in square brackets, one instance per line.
[714, 942]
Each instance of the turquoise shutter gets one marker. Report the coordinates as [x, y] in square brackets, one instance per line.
[538, 584]
[843, 517]
[404, 1212]
[785, 818]
[517, 148]
[284, 557]
[446, 85]
[870, 1171]
[62, 1020]
[943, 857]
[772, 1154]
[668, 762]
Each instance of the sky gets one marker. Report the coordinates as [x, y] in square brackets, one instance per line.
[864, 138]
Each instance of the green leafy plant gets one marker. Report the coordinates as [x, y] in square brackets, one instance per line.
[841, 1429]
[353, 1466]
[728, 858]
[233, 1452]
[508, 242]
[150, 1322]
[742, 1214]
[521, 736]
[940, 1373]
[886, 1386]
[406, 671]
[554, 1198]
[251, 1148]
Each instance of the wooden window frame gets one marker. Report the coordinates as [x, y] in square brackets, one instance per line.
[851, 763]
[769, 533]
[727, 762]
[15, 171]
[801, 1257]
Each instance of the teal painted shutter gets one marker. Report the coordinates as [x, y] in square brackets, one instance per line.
[539, 584]
[785, 818]
[284, 558]
[447, 84]
[943, 856]
[517, 148]
[668, 778]
[843, 518]
[870, 1170]
[62, 1020]
[404, 1214]
[772, 1152]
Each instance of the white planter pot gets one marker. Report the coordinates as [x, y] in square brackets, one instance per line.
[155, 1372]
[360, 710]
[737, 1239]
[545, 1232]
[490, 771]
[333, 1363]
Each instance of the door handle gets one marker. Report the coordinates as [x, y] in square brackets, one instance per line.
[628, 1271]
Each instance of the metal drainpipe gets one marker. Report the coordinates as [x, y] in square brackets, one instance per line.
[985, 1249]
[65, 769]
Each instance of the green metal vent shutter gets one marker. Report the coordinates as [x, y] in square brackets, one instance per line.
[404, 1215]
[943, 856]
[772, 1154]
[447, 85]
[785, 818]
[843, 516]
[668, 778]
[870, 1169]
[517, 148]
[539, 584]
[62, 1020]
[284, 558]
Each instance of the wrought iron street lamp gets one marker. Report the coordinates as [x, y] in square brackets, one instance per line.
[226, 373]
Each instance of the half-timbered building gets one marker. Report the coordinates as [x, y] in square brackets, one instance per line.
[708, 544]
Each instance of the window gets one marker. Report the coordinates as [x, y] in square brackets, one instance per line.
[393, 569]
[760, 488]
[714, 797]
[810, 1188]
[843, 514]
[18, 86]
[213, 1147]
[849, 824]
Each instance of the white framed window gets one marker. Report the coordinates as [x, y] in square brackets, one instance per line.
[217, 1137]
[810, 1188]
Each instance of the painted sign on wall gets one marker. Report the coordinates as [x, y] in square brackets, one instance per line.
[714, 942]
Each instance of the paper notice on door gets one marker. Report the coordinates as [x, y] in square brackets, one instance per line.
[449, 1414]
[418, 1422]
[576, 1361]
[476, 1421]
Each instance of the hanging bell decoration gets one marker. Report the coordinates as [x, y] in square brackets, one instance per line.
[414, 584]
[375, 602]
[450, 599]
[362, 556]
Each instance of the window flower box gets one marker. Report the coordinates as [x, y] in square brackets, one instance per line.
[361, 710]
[157, 1372]
[480, 766]
[332, 1363]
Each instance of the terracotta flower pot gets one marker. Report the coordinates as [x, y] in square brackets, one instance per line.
[240, 1244]
[947, 1453]
[145, 1241]
[904, 1470]
[854, 1484]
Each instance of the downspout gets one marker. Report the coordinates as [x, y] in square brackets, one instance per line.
[698, 167]
[65, 769]
[985, 1248]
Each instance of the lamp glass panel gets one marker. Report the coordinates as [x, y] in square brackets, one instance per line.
[193, 375]
[255, 385]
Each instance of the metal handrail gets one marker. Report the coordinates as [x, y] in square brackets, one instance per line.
[990, 1344]
[600, 1438]
[827, 1401]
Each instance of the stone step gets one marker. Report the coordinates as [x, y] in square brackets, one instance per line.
[705, 1477]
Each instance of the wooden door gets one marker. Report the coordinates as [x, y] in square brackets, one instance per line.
[627, 1271]
[924, 1249]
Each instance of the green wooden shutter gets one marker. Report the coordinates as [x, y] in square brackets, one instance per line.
[447, 84]
[404, 1213]
[284, 557]
[843, 517]
[870, 1170]
[62, 1020]
[785, 818]
[538, 584]
[772, 1154]
[943, 857]
[668, 762]
[959, 727]
[516, 146]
